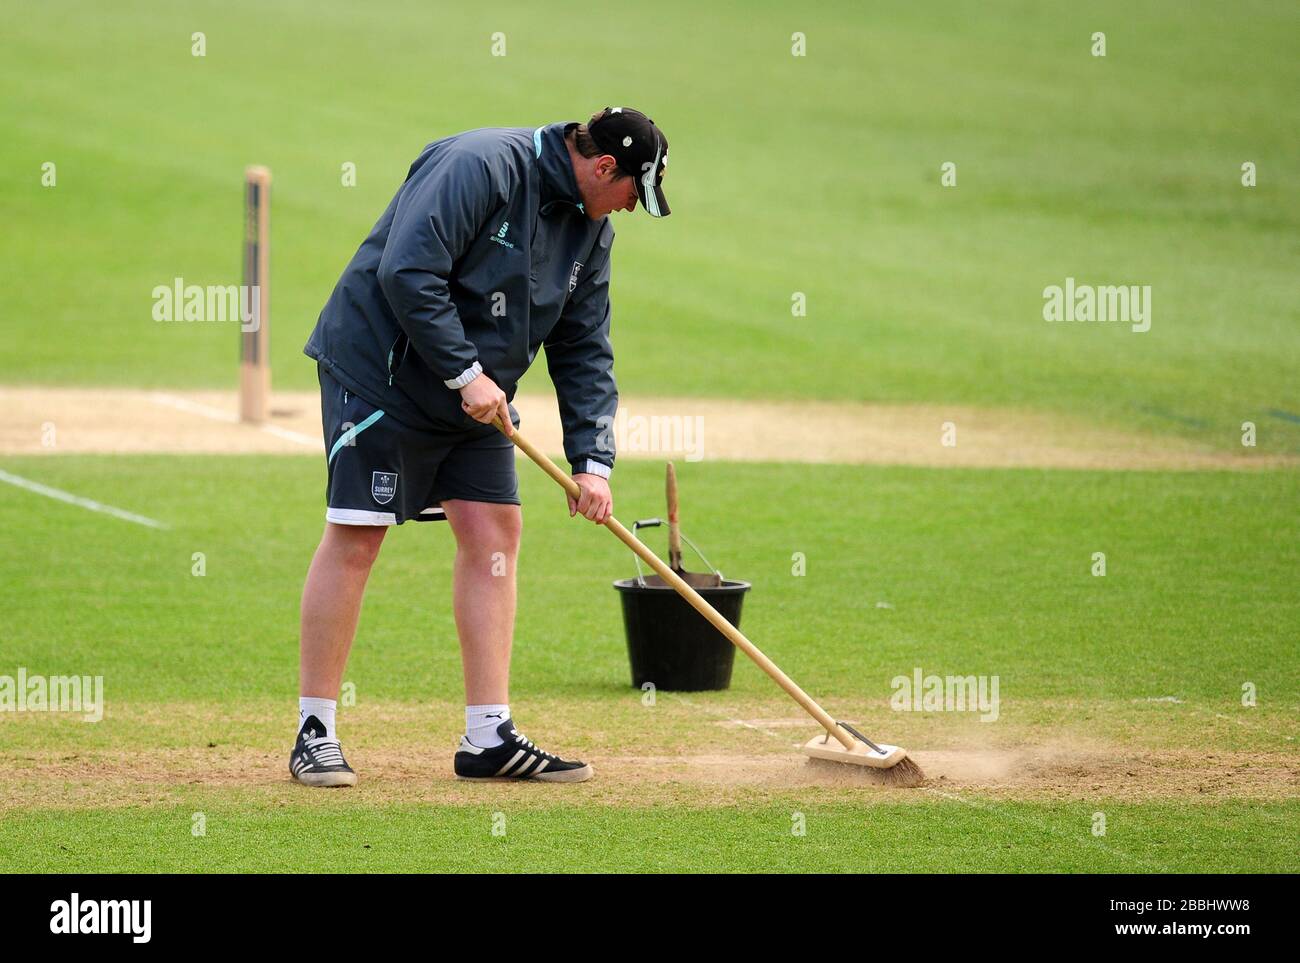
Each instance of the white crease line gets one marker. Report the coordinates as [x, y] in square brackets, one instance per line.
[723, 714]
[217, 414]
[193, 407]
[750, 725]
[77, 500]
[295, 436]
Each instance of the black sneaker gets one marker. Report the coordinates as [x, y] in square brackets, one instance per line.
[516, 758]
[317, 761]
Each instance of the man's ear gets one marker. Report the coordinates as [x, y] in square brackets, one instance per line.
[605, 164]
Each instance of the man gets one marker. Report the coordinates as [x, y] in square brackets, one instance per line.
[497, 245]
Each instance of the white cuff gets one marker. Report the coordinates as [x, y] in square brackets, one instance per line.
[359, 516]
[466, 376]
[595, 468]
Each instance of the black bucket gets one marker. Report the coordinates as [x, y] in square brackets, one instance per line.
[669, 643]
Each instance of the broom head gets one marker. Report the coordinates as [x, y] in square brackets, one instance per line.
[825, 747]
[890, 766]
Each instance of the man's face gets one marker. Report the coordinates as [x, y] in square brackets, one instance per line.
[605, 188]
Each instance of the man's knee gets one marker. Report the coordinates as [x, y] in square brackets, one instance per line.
[485, 528]
[355, 546]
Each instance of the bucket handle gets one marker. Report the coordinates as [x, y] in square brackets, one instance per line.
[655, 523]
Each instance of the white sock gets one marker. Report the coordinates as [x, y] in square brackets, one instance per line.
[481, 725]
[322, 709]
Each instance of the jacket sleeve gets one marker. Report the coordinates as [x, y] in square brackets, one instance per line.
[581, 363]
[442, 209]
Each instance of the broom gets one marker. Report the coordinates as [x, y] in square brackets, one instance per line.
[888, 765]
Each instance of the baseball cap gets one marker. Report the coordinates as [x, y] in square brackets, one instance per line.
[640, 148]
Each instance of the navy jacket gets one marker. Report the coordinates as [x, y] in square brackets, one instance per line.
[483, 257]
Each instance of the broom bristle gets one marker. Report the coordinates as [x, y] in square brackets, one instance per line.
[904, 775]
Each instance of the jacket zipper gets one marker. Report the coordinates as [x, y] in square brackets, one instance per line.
[392, 370]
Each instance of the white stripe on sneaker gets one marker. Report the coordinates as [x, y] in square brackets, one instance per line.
[528, 764]
[513, 759]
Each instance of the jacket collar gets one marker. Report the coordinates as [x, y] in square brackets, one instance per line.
[557, 180]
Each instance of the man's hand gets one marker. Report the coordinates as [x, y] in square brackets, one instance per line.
[482, 400]
[595, 502]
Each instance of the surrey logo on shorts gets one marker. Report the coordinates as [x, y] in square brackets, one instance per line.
[573, 275]
[383, 486]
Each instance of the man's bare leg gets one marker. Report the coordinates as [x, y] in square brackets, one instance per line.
[487, 549]
[331, 604]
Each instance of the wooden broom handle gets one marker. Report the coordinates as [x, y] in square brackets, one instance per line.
[685, 591]
[674, 527]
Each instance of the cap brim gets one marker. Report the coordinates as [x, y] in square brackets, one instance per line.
[653, 200]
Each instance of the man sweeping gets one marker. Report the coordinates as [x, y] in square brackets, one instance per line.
[497, 245]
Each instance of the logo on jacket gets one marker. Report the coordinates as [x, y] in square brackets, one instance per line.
[383, 486]
[573, 275]
[500, 236]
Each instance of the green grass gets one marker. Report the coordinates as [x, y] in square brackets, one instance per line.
[817, 174]
[945, 836]
[986, 572]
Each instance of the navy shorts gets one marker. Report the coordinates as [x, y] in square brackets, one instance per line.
[383, 472]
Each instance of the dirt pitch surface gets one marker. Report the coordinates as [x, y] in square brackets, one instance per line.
[697, 749]
[62, 779]
[41, 420]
